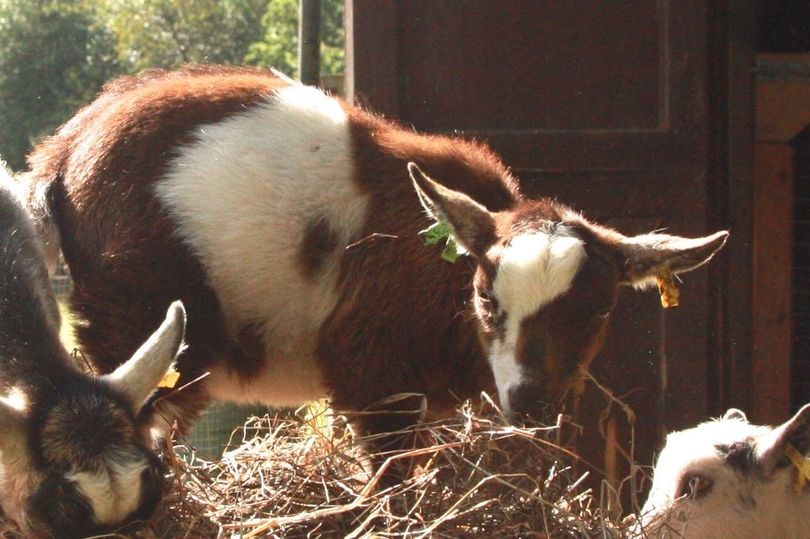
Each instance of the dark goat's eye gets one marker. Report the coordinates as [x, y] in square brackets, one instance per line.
[603, 314]
[695, 486]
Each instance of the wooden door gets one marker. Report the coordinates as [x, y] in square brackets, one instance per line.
[603, 105]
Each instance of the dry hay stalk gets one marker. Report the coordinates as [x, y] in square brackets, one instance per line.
[477, 476]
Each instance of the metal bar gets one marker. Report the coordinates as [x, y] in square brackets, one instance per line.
[309, 41]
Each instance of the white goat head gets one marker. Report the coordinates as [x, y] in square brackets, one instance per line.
[75, 458]
[728, 478]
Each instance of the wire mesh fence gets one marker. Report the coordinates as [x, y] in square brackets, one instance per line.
[61, 282]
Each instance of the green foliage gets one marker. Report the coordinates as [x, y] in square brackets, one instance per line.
[56, 54]
[53, 58]
[437, 232]
[169, 33]
[333, 37]
[279, 47]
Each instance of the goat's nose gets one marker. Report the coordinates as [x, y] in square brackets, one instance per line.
[526, 400]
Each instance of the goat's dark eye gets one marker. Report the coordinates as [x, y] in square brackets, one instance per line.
[603, 314]
[695, 486]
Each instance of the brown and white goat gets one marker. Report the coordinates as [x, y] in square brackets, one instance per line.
[286, 221]
[75, 458]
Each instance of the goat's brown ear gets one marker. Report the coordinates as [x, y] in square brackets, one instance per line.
[771, 448]
[650, 255]
[472, 225]
[140, 375]
[12, 428]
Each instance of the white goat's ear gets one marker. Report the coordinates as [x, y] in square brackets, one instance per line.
[735, 414]
[473, 226]
[771, 447]
[12, 427]
[140, 375]
[649, 255]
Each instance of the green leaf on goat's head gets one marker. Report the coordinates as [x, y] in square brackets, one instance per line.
[437, 232]
[450, 252]
[434, 233]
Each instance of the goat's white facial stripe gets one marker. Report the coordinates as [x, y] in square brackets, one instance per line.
[534, 270]
[113, 491]
[506, 370]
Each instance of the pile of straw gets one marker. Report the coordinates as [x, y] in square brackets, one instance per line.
[473, 476]
[476, 476]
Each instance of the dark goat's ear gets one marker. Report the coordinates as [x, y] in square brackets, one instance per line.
[473, 226]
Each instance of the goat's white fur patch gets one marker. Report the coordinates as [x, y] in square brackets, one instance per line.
[242, 196]
[534, 270]
[693, 451]
[739, 503]
[15, 398]
[114, 490]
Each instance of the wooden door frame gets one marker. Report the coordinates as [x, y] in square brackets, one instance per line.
[783, 111]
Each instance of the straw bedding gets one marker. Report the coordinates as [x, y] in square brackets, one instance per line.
[473, 476]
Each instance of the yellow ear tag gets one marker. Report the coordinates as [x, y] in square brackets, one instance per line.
[669, 292]
[169, 379]
[801, 468]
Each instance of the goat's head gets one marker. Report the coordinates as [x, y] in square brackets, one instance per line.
[76, 459]
[728, 478]
[547, 282]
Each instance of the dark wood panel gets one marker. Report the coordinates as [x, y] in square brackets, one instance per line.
[575, 49]
[551, 85]
[771, 294]
[800, 353]
[371, 66]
